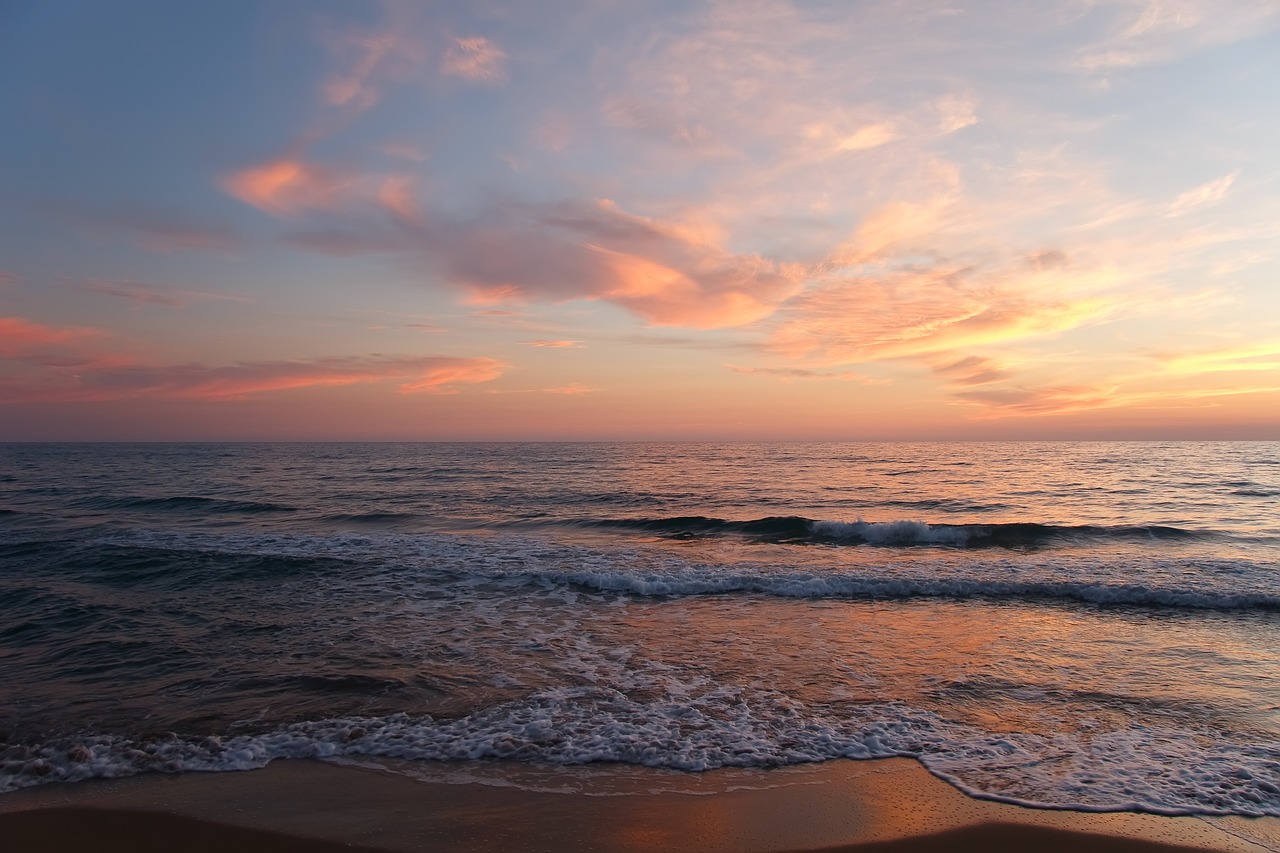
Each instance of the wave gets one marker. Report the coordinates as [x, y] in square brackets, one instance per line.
[865, 587]
[1155, 580]
[373, 517]
[1153, 767]
[801, 530]
[190, 503]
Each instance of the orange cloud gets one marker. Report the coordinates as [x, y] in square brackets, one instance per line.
[555, 344]
[969, 370]
[893, 227]
[735, 291]
[430, 374]
[922, 314]
[443, 374]
[787, 374]
[1066, 399]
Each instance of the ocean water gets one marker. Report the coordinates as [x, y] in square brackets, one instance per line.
[1085, 625]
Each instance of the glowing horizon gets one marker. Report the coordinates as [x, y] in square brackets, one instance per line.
[738, 220]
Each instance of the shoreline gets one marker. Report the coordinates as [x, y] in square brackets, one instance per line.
[303, 806]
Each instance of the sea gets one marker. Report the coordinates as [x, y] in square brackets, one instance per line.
[1087, 625]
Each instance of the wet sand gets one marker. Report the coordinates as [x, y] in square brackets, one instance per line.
[311, 807]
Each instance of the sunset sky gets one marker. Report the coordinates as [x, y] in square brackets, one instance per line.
[625, 220]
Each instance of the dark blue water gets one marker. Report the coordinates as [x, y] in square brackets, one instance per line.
[1075, 624]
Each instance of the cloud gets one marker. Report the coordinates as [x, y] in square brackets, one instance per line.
[555, 344]
[370, 58]
[288, 186]
[1150, 32]
[913, 314]
[152, 294]
[476, 59]
[428, 374]
[663, 271]
[970, 370]
[1068, 399]
[22, 339]
[396, 194]
[1264, 356]
[576, 389]
[804, 373]
[1203, 195]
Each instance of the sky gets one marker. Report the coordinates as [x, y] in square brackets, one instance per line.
[747, 220]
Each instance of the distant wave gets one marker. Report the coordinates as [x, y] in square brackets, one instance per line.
[189, 503]
[798, 529]
[1153, 580]
[375, 517]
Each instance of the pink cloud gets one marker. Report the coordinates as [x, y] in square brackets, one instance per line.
[396, 195]
[21, 338]
[474, 58]
[555, 344]
[288, 186]
[371, 58]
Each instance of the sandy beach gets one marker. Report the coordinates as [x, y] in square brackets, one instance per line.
[301, 806]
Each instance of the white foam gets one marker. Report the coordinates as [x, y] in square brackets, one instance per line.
[1144, 767]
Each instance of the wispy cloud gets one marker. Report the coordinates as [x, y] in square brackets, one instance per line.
[1149, 32]
[555, 344]
[21, 338]
[287, 186]
[416, 375]
[1264, 356]
[369, 58]
[290, 187]
[1069, 399]
[153, 294]
[1202, 196]
[970, 370]
[474, 58]
[573, 390]
[787, 374]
